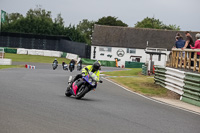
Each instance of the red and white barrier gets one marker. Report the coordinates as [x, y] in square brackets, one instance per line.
[29, 66]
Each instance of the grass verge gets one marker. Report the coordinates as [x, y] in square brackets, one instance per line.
[138, 83]
[11, 66]
[130, 72]
[30, 58]
[34, 58]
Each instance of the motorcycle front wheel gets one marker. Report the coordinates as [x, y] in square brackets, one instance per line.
[81, 92]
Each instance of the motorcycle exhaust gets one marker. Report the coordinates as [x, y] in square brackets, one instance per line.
[70, 79]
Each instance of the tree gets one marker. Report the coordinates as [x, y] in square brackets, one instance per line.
[86, 27]
[172, 27]
[112, 21]
[13, 17]
[58, 25]
[39, 21]
[74, 34]
[155, 24]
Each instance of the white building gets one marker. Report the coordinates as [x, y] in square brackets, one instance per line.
[125, 54]
[129, 44]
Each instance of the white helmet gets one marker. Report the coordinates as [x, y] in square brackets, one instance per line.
[197, 36]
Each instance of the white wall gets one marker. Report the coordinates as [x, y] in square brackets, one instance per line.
[5, 62]
[126, 57]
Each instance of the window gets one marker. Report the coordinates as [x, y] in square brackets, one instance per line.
[131, 51]
[105, 49]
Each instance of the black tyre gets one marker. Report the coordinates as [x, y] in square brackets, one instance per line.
[81, 92]
[67, 93]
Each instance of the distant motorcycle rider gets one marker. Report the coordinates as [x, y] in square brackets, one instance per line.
[55, 61]
[73, 62]
[91, 68]
[63, 65]
[79, 65]
[80, 62]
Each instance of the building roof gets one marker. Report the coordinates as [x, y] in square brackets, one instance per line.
[114, 36]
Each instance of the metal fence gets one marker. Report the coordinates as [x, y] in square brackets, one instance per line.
[186, 84]
[43, 42]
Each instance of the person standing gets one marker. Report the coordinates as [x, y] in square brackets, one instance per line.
[197, 46]
[189, 41]
[180, 43]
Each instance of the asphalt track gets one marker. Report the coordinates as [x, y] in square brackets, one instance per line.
[33, 101]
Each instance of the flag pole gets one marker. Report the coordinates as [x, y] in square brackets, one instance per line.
[0, 20]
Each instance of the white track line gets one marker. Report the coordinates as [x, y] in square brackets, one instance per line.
[153, 99]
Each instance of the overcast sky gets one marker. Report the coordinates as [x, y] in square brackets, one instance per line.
[183, 13]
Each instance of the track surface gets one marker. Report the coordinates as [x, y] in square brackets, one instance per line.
[33, 101]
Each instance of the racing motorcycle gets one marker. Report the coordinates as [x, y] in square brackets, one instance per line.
[79, 67]
[71, 67]
[82, 86]
[54, 65]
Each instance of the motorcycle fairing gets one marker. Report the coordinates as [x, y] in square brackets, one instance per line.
[76, 85]
[86, 78]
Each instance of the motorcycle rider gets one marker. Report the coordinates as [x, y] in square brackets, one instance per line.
[91, 68]
[80, 62]
[73, 62]
[55, 61]
[63, 65]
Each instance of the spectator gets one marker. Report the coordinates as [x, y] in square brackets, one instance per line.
[178, 34]
[180, 43]
[197, 46]
[189, 41]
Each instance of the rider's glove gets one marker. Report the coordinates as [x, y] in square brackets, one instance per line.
[83, 74]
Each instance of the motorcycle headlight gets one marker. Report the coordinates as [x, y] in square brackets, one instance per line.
[90, 80]
[93, 83]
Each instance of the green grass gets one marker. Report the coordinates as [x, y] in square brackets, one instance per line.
[34, 58]
[10, 66]
[142, 84]
[30, 58]
[139, 83]
[130, 72]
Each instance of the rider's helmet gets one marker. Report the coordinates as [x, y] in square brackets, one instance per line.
[96, 66]
[55, 59]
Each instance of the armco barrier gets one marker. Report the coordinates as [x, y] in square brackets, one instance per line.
[187, 85]
[191, 89]
[5, 61]
[103, 63]
[144, 70]
[129, 64]
[72, 56]
[39, 52]
[22, 51]
[10, 50]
